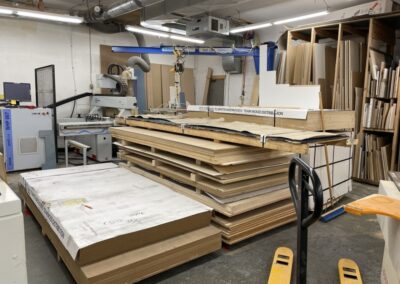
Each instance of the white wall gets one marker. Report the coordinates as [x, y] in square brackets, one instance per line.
[26, 45]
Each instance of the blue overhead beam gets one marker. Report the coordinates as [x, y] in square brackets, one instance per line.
[214, 51]
[210, 51]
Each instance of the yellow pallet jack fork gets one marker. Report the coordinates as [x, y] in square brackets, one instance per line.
[302, 177]
[281, 270]
[349, 273]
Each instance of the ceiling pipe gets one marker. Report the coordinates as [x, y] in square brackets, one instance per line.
[142, 62]
[98, 14]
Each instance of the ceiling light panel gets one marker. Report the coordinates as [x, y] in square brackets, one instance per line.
[300, 18]
[250, 28]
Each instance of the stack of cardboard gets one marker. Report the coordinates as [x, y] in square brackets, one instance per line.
[246, 186]
[110, 225]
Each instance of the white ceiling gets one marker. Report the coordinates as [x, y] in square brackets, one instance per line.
[250, 10]
[259, 11]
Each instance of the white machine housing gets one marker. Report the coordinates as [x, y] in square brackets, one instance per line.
[21, 144]
[12, 238]
[92, 133]
[207, 27]
[124, 104]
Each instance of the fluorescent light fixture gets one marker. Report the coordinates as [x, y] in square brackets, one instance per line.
[140, 30]
[49, 17]
[136, 29]
[162, 28]
[187, 39]
[305, 17]
[154, 27]
[5, 11]
[250, 28]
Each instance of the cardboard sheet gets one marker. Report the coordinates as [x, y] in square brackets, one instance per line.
[91, 204]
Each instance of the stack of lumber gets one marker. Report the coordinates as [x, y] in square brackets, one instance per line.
[350, 75]
[246, 186]
[280, 60]
[110, 225]
[299, 71]
[373, 158]
[324, 58]
[238, 132]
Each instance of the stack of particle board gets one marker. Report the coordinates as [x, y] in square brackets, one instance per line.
[110, 225]
[246, 186]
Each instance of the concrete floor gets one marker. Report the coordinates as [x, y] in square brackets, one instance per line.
[358, 238]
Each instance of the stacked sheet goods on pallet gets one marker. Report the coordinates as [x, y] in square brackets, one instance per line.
[246, 186]
[110, 225]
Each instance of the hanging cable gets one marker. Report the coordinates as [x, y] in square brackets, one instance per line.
[73, 72]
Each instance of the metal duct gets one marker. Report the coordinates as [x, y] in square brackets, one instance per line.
[142, 62]
[96, 14]
[108, 28]
[232, 64]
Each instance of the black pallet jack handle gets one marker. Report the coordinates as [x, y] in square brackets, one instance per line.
[305, 174]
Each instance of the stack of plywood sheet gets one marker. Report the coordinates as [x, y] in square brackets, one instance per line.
[246, 186]
[110, 225]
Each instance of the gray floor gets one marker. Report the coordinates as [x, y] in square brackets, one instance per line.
[358, 238]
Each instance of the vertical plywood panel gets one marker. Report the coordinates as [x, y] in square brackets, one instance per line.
[167, 80]
[187, 84]
[154, 87]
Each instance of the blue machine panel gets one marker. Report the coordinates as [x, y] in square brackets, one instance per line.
[8, 139]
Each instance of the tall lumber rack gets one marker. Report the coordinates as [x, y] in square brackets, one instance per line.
[374, 31]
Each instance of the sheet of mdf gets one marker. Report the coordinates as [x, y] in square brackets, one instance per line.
[154, 87]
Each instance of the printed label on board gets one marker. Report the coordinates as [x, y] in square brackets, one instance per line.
[255, 111]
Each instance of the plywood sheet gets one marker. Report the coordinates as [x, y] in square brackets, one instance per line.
[84, 201]
[207, 171]
[138, 264]
[229, 210]
[154, 87]
[204, 150]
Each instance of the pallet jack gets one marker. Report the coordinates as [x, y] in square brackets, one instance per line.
[303, 178]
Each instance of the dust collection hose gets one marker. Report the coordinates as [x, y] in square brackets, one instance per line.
[70, 99]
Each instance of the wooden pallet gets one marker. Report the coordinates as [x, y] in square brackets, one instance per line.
[135, 265]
